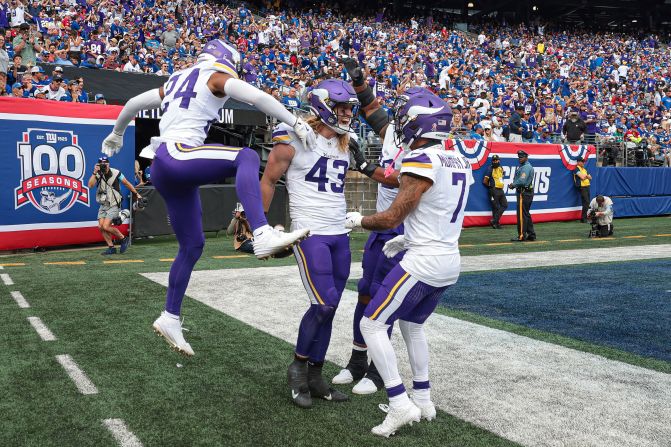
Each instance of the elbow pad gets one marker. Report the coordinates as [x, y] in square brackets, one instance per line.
[377, 120]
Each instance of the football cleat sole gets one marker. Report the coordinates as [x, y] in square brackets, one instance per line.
[172, 345]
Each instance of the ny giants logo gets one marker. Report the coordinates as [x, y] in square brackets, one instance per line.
[52, 171]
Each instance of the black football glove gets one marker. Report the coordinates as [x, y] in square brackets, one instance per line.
[360, 162]
[354, 71]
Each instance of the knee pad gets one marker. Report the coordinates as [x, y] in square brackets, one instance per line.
[363, 287]
[324, 312]
[370, 327]
[192, 252]
[247, 155]
[410, 329]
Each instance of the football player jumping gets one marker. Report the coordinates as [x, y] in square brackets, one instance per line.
[315, 179]
[375, 264]
[190, 102]
[433, 192]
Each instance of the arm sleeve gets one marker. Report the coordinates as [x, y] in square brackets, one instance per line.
[147, 100]
[244, 92]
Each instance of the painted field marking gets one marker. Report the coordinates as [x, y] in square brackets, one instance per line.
[6, 279]
[82, 382]
[497, 244]
[570, 240]
[663, 235]
[124, 261]
[167, 259]
[230, 257]
[633, 237]
[41, 329]
[124, 437]
[13, 264]
[66, 263]
[466, 245]
[20, 300]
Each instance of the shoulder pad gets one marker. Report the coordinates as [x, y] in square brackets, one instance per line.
[417, 159]
[354, 136]
[283, 133]
[220, 67]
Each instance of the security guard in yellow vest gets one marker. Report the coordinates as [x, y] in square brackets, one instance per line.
[582, 181]
[494, 181]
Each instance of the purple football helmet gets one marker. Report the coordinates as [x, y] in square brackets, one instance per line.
[424, 115]
[219, 51]
[325, 97]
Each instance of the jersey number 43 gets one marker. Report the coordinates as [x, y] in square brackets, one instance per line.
[328, 172]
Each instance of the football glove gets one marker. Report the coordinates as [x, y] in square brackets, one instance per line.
[112, 144]
[353, 220]
[305, 133]
[394, 246]
[354, 71]
[360, 162]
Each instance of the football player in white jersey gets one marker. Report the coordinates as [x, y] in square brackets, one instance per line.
[375, 264]
[315, 179]
[430, 202]
[190, 101]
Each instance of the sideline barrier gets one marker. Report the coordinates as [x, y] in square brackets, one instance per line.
[635, 191]
[555, 196]
[48, 151]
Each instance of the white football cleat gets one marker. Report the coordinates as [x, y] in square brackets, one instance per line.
[343, 377]
[365, 386]
[397, 418]
[428, 409]
[269, 241]
[171, 329]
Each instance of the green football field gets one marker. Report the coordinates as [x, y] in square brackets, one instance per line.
[233, 392]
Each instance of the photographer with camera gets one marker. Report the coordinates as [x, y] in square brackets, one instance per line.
[108, 195]
[241, 230]
[601, 216]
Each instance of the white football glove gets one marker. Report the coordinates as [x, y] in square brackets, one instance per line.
[394, 246]
[353, 220]
[112, 144]
[305, 133]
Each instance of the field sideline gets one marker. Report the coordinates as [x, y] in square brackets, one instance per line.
[233, 391]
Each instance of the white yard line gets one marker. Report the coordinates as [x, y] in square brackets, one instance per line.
[82, 382]
[123, 436]
[6, 279]
[20, 300]
[41, 329]
[532, 392]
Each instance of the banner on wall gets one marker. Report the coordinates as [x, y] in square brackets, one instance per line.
[555, 196]
[48, 150]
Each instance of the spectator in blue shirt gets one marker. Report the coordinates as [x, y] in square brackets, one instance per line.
[477, 133]
[291, 100]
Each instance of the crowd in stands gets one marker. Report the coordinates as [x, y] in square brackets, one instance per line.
[619, 84]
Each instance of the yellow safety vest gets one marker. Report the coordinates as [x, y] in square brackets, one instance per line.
[582, 170]
[497, 175]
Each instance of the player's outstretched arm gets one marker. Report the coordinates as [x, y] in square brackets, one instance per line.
[408, 197]
[371, 109]
[144, 101]
[222, 84]
[278, 163]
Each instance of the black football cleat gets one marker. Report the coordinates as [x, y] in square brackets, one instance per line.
[320, 389]
[297, 376]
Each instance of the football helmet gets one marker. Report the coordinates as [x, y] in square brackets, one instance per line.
[219, 51]
[421, 115]
[326, 96]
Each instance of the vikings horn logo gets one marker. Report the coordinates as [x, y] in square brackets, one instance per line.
[476, 151]
[52, 171]
[569, 154]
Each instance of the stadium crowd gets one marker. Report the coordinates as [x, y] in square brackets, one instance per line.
[619, 84]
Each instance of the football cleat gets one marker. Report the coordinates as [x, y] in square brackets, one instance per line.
[171, 330]
[297, 376]
[109, 251]
[428, 409]
[365, 386]
[269, 241]
[356, 368]
[319, 388]
[397, 418]
[124, 244]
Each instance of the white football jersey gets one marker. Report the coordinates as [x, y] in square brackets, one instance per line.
[387, 194]
[189, 107]
[316, 183]
[432, 230]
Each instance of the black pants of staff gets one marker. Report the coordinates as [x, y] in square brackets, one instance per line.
[499, 203]
[584, 197]
[525, 226]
